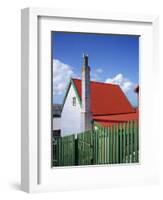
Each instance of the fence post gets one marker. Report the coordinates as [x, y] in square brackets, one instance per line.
[117, 144]
[128, 141]
[111, 145]
[124, 142]
[120, 144]
[136, 144]
[132, 140]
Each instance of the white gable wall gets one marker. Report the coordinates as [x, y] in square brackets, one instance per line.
[70, 116]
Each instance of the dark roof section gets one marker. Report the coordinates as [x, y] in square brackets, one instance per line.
[106, 98]
[56, 110]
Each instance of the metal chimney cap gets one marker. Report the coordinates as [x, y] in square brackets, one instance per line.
[85, 55]
[85, 60]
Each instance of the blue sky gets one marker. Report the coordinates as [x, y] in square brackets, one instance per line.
[112, 58]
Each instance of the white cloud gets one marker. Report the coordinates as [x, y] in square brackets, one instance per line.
[123, 82]
[99, 70]
[61, 76]
[96, 74]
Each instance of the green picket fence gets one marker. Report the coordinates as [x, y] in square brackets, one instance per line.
[85, 148]
[64, 151]
[118, 143]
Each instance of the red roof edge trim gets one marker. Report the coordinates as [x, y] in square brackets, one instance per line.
[110, 120]
[113, 114]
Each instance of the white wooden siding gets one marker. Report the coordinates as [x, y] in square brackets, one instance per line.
[70, 116]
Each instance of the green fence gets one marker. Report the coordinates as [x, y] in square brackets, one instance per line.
[85, 148]
[118, 143]
[64, 151]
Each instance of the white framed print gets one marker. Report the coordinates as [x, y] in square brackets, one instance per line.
[88, 117]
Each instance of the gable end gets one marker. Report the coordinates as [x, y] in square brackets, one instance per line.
[67, 91]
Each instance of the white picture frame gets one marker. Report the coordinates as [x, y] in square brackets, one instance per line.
[36, 171]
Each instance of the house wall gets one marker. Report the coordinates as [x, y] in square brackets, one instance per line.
[56, 123]
[70, 116]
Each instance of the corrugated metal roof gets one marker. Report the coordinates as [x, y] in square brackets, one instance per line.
[107, 120]
[106, 99]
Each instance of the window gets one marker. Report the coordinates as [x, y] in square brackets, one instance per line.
[74, 101]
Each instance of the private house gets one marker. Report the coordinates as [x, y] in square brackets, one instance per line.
[87, 102]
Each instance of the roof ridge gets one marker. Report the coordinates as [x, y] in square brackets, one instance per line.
[97, 82]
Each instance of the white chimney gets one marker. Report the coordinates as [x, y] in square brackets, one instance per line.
[86, 117]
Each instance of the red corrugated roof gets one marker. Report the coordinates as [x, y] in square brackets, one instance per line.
[106, 98]
[107, 120]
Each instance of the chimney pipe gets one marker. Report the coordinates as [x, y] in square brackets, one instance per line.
[86, 112]
[85, 60]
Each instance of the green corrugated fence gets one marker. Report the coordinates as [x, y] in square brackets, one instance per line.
[118, 143]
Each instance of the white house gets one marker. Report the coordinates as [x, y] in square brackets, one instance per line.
[88, 101]
[76, 116]
[71, 112]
